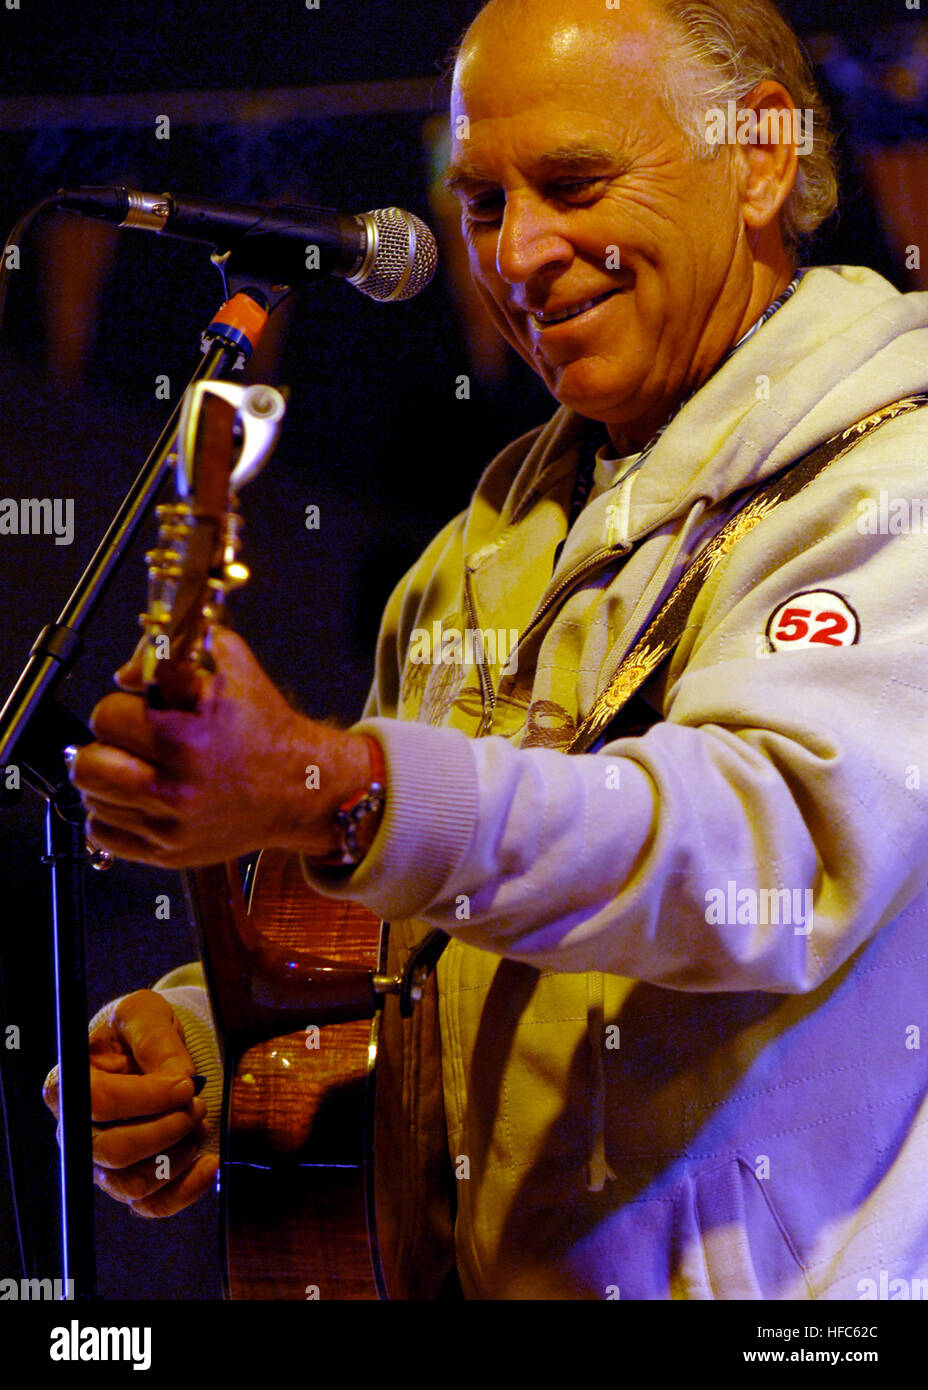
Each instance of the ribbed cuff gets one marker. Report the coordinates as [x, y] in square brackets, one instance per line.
[192, 1011]
[428, 822]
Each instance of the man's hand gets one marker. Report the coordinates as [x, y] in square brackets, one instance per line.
[147, 1150]
[236, 775]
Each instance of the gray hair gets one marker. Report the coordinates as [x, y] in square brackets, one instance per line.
[728, 48]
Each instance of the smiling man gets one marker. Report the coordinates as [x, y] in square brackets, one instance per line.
[668, 1080]
[617, 264]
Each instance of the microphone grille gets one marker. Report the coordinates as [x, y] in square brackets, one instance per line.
[404, 258]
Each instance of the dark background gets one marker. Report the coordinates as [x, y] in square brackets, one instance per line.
[375, 435]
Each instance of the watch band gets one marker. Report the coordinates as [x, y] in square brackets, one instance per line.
[352, 813]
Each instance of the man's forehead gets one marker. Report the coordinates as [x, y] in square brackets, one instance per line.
[570, 98]
[581, 155]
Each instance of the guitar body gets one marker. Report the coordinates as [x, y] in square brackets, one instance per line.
[296, 1182]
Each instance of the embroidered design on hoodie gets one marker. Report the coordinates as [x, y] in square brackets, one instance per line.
[549, 725]
[814, 618]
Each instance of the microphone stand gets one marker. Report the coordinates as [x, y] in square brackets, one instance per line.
[35, 730]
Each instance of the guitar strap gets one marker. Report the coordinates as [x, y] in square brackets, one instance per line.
[659, 639]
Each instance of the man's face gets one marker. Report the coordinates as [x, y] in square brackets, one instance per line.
[612, 260]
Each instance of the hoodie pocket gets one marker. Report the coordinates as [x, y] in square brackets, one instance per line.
[735, 1245]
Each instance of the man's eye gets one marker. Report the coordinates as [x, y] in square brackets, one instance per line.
[576, 189]
[489, 206]
[486, 207]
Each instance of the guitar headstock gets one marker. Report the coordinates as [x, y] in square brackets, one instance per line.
[227, 433]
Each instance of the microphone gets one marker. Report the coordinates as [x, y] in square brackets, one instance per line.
[387, 254]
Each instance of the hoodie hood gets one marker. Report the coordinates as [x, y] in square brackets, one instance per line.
[844, 325]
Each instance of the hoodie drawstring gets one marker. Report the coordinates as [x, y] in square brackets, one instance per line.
[598, 1170]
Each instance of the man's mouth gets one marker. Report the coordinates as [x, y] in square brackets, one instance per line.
[542, 320]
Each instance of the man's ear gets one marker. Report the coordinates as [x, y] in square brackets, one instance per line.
[767, 151]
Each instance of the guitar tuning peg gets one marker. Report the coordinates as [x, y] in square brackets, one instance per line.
[100, 859]
[264, 402]
[236, 574]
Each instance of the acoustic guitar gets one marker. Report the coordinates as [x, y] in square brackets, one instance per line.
[295, 979]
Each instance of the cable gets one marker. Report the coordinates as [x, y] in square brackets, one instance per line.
[15, 238]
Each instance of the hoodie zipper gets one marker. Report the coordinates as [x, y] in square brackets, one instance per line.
[486, 688]
[581, 571]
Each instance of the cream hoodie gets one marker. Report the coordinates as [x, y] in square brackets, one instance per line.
[680, 1015]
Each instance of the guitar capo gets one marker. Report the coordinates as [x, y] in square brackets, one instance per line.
[259, 413]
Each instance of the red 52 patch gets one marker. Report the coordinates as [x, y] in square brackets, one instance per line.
[817, 619]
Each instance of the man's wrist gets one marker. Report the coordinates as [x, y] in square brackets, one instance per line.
[358, 817]
[352, 786]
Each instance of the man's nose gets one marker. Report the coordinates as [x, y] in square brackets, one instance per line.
[531, 238]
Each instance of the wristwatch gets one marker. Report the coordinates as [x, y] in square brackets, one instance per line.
[352, 813]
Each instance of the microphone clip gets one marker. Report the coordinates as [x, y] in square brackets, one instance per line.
[237, 279]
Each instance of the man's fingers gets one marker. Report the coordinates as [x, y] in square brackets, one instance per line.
[145, 1022]
[151, 1174]
[129, 675]
[115, 1096]
[50, 1091]
[183, 1191]
[124, 845]
[162, 738]
[126, 721]
[114, 775]
[156, 830]
[121, 1145]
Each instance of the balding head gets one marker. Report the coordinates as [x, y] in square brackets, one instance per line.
[581, 23]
